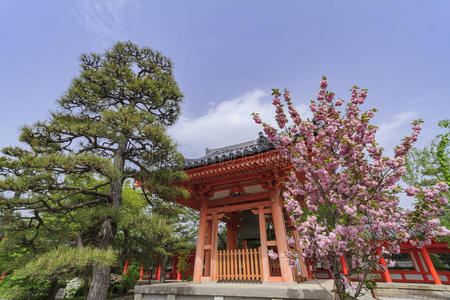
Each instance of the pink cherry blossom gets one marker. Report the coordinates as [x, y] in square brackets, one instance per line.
[347, 203]
[412, 191]
[273, 255]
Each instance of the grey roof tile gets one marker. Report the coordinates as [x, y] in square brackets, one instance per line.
[217, 155]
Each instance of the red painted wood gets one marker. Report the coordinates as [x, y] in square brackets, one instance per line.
[199, 254]
[263, 238]
[158, 273]
[125, 268]
[430, 266]
[344, 265]
[386, 270]
[141, 273]
[280, 234]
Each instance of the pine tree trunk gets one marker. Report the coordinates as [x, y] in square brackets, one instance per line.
[100, 283]
[101, 274]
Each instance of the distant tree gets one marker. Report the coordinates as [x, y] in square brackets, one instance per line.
[430, 165]
[162, 232]
[110, 125]
[442, 151]
[348, 188]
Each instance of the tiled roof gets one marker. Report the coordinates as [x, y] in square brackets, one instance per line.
[212, 156]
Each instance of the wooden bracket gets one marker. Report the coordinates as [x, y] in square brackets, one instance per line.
[219, 216]
[265, 211]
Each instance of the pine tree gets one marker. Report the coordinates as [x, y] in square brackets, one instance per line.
[110, 125]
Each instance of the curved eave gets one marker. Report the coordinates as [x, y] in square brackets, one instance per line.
[236, 167]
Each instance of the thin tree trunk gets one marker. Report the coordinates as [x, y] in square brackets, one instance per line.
[162, 278]
[340, 289]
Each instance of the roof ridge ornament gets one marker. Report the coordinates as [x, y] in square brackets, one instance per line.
[262, 141]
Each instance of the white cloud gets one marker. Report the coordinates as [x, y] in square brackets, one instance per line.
[102, 17]
[230, 122]
[390, 133]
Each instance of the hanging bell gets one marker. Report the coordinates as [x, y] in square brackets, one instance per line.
[249, 226]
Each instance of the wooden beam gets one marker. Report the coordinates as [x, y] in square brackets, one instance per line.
[271, 243]
[219, 216]
[266, 211]
[232, 176]
[223, 187]
[238, 199]
[239, 207]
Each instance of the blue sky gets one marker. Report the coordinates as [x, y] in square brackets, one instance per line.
[229, 54]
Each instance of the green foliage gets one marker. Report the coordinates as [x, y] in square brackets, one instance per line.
[66, 260]
[127, 281]
[422, 166]
[34, 278]
[442, 152]
[430, 165]
[18, 287]
[183, 257]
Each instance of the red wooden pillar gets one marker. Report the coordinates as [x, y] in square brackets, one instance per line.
[263, 238]
[199, 253]
[387, 275]
[430, 265]
[344, 265]
[125, 268]
[308, 265]
[280, 234]
[209, 229]
[158, 273]
[178, 274]
[141, 272]
[214, 253]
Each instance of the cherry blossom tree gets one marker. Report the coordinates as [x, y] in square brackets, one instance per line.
[342, 191]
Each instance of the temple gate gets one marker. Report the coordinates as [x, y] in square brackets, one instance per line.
[239, 186]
